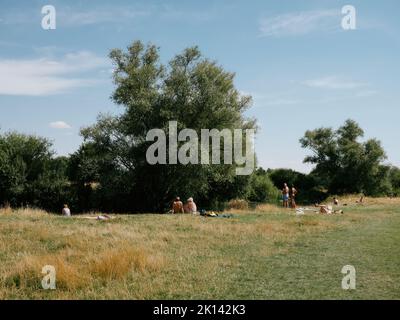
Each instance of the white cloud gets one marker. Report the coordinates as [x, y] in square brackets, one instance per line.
[121, 15]
[300, 23]
[68, 17]
[333, 82]
[46, 76]
[366, 93]
[59, 125]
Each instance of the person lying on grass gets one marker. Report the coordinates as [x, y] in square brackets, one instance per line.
[324, 209]
[101, 217]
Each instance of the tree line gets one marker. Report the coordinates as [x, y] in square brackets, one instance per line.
[109, 171]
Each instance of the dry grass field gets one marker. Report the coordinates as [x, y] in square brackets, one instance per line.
[266, 253]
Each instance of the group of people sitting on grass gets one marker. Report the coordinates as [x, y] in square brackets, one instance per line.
[288, 197]
[179, 207]
[190, 207]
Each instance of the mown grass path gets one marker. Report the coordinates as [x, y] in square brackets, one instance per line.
[311, 266]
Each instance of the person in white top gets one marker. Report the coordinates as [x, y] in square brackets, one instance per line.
[190, 206]
[65, 211]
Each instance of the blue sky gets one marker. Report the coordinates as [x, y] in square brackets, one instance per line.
[302, 69]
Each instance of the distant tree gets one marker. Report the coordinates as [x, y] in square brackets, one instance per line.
[261, 188]
[281, 176]
[394, 175]
[192, 90]
[29, 175]
[343, 163]
[309, 187]
[22, 161]
[52, 188]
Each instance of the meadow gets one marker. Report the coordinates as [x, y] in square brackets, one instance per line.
[265, 253]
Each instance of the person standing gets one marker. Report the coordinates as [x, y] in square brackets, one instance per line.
[285, 195]
[293, 193]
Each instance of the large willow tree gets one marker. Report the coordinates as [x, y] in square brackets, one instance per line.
[192, 90]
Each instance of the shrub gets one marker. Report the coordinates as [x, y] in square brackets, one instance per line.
[261, 188]
[238, 204]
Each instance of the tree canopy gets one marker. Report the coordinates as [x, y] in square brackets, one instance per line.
[29, 174]
[192, 90]
[345, 164]
[110, 170]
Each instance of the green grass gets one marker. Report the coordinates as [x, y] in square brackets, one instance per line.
[270, 254]
[311, 268]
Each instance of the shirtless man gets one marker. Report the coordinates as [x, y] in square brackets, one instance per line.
[285, 195]
[177, 206]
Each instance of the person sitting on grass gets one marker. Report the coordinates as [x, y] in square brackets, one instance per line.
[66, 211]
[190, 206]
[177, 206]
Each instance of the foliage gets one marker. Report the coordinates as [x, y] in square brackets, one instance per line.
[261, 188]
[29, 175]
[110, 172]
[192, 90]
[343, 163]
[394, 176]
[308, 186]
